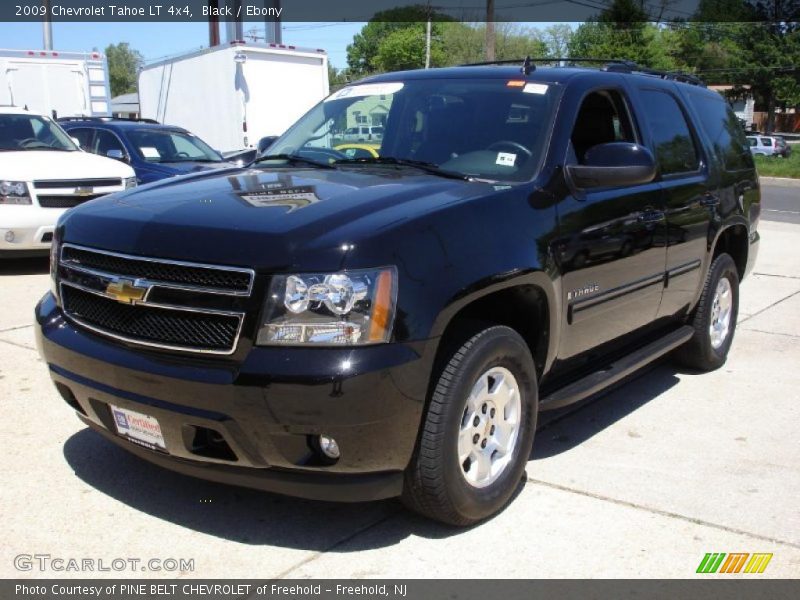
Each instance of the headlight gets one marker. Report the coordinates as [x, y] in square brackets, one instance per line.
[333, 309]
[129, 182]
[55, 246]
[14, 192]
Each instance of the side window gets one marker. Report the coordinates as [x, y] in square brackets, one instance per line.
[105, 141]
[673, 142]
[84, 137]
[766, 142]
[602, 118]
[724, 130]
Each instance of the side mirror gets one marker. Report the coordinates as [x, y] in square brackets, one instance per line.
[613, 165]
[265, 142]
[116, 155]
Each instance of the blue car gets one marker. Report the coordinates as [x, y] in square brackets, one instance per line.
[154, 151]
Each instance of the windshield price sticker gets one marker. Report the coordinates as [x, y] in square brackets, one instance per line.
[368, 89]
[149, 152]
[506, 159]
[535, 88]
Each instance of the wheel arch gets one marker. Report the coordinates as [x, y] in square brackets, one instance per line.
[733, 240]
[526, 303]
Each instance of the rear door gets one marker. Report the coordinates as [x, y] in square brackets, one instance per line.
[689, 181]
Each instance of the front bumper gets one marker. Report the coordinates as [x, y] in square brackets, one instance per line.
[267, 410]
[26, 229]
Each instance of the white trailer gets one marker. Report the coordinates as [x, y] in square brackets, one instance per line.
[71, 84]
[232, 96]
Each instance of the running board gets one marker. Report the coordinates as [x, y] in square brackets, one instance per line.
[599, 380]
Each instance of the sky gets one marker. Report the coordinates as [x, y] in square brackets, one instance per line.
[159, 40]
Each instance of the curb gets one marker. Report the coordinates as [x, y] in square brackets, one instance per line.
[780, 181]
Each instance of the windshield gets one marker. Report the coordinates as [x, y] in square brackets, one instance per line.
[487, 129]
[171, 145]
[32, 132]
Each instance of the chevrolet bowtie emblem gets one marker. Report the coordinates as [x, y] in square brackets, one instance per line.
[84, 191]
[125, 291]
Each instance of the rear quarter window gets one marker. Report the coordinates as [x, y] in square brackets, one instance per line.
[724, 130]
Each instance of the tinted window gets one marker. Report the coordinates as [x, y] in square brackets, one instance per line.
[84, 137]
[170, 145]
[104, 141]
[724, 130]
[32, 132]
[483, 128]
[602, 119]
[672, 140]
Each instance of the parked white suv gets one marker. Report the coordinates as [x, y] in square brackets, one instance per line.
[43, 172]
[762, 145]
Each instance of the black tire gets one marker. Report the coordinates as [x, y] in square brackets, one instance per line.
[699, 353]
[435, 485]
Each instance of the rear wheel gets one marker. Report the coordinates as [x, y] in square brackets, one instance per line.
[714, 319]
[478, 430]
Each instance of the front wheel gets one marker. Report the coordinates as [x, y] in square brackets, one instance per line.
[478, 430]
[714, 319]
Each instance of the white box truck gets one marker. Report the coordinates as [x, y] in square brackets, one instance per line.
[232, 96]
[71, 84]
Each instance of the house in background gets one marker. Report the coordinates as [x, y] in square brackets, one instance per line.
[125, 106]
[741, 100]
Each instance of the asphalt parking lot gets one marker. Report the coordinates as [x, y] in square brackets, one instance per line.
[641, 482]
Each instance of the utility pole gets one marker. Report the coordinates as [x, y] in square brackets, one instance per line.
[47, 27]
[428, 41]
[490, 55]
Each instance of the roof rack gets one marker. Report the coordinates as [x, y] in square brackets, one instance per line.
[611, 65]
[137, 120]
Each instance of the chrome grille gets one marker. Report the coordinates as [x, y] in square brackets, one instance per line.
[221, 279]
[110, 294]
[165, 327]
[49, 184]
[48, 201]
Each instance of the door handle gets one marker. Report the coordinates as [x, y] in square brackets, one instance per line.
[709, 200]
[650, 216]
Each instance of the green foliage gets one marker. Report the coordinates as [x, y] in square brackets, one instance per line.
[772, 166]
[123, 67]
[362, 54]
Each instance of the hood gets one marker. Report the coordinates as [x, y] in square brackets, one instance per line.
[184, 167]
[30, 165]
[264, 219]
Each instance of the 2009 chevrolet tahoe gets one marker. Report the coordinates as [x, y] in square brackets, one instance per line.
[361, 328]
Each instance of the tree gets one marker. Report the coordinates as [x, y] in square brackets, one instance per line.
[462, 43]
[363, 52]
[625, 31]
[123, 67]
[405, 49]
[753, 45]
[557, 38]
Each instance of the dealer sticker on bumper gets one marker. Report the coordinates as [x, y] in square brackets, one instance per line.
[139, 428]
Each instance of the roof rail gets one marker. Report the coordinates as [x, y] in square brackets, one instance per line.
[612, 65]
[134, 119]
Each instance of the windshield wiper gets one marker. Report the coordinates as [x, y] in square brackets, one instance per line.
[293, 158]
[428, 167]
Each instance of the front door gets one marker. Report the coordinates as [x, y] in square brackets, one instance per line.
[611, 261]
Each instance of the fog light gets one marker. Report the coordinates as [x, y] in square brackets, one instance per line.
[328, 446]
[9, 236]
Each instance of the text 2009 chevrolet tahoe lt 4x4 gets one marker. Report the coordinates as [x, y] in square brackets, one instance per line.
[352, 329]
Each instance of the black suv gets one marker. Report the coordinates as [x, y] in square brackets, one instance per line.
[354, 329]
